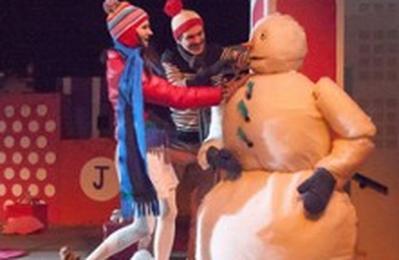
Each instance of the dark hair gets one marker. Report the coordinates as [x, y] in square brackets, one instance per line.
[152, 62]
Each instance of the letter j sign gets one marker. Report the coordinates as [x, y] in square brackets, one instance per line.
[98, 179]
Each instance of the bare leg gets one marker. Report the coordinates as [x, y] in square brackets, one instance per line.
[121, 239]
[165, 230]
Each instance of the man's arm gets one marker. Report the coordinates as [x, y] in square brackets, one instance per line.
[174, 75]
[202, 77]
[225, 60]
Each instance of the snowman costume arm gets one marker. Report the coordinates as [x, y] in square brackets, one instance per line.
[353, 129]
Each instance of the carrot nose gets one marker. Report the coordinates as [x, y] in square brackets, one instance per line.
[247, 45]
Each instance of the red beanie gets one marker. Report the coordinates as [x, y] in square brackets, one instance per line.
[182, 20]
[122, 21]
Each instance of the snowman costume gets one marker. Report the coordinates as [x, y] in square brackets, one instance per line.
[298, 143]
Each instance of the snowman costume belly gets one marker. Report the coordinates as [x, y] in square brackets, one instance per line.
[282, 129]
[261, 216]
[281, 132]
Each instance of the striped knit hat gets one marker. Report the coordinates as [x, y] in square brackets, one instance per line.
[182, 20]
[123, 20]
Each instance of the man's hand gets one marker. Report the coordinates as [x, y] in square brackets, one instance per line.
[317, 190]
[237, 56]
[230, 87]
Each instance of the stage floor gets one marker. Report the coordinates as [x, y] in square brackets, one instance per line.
[45, 245]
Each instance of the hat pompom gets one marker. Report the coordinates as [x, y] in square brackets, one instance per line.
[173, 7]
[110, 5]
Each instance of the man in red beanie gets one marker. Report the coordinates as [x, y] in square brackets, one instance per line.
[193, 62]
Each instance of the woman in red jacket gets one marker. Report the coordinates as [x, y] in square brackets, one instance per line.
[147, 181]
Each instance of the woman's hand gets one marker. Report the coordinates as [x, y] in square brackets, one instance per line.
[230, 87]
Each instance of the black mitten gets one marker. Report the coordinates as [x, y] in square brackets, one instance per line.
[230, 164]
[225, 160]
[212, 156]
[316, 191]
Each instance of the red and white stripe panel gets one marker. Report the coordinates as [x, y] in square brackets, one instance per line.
[259, 9]
[320, 19]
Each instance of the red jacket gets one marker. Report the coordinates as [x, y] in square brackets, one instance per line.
[159, 91]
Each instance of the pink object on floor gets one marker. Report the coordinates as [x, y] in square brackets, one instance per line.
[33, 209]
[11, 253]
[22, 225]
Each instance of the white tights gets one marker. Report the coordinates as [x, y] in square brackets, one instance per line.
[140, 229]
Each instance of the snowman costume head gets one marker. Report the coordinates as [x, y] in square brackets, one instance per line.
[278, 44]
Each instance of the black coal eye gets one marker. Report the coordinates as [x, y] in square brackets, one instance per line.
[263, 36]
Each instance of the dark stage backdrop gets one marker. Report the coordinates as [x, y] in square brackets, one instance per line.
[67, 37]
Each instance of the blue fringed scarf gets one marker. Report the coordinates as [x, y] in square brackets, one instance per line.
[137, 191]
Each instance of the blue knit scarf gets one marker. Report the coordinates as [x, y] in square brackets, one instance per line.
[137, 191]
